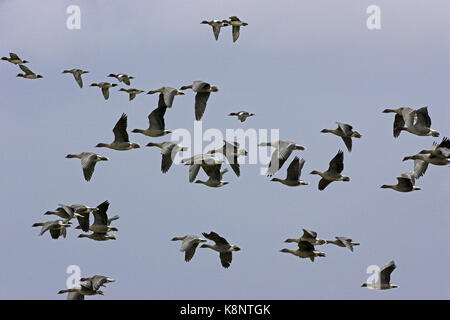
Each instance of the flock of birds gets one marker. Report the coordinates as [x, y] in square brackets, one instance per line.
[414, 121]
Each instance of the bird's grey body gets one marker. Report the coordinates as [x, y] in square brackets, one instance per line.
[121, 140]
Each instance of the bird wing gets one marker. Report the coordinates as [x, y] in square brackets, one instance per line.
[200, 104]
[55, 233]
[293, 171]
[324, 183]
[88, 165]
[348, 143]
[420, 167]
[105, 92]
[236, 32]
[25, 69]
[345, 128]
[168, 95]
[423, 119]
[346, 242]
[399, 123]
[308, 234]
[98, 281]
[213, 171]
[100, 216]
[279, 157]
[77, 76]
[305, 246]
[156, 118]
[337, 163]
[216, 30]
[120, 130]
[215, 237]
[225, 259]
[193, 171]
[404, 181]
[14, 56]
[167, 157]
[75, 296]
[385, 272]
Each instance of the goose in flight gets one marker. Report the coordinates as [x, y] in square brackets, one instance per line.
[56, 228]
[439, 150]
[417, 122]
[305, 250]
[405, 183]
[231, 151]
[84, 289]
[131, 92]
[222, 246]
[310, 236]
[105, 88]
[345, 131]
[77, 75]
[101, 222]
[98, 236]
[121, 77]
[121, 141]
[97, 281]
[82, 214]
[283, 150]
[188, 245]
[242, 115]
[343, 242]
[210, 165]
[236, 26]
[384, 278]
[421, 162]
[65, 212]
[28, 73]
[168, 151]
[333, 173]
[216, 25]
[198, 161]
[156, 123]
[14, 58]
[88, 162]
[203, 91]
[293, 174]
[168, 95]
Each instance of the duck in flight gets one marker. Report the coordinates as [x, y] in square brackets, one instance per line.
[28, 73]
[14, 59]
[121, 141]
[242, 115]
[77, 75]
[216, 25]
[121, 77]
[236, 25]
[105, 88]
[131, 92]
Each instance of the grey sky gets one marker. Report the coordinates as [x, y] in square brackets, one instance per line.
[300, 66]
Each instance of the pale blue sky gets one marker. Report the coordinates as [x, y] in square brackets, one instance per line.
[300, 66]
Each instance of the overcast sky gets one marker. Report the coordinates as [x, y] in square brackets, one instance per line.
[300, 66]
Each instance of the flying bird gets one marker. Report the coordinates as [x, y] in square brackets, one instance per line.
[189, 245]
[216, 25]
[283, 150]
[131, 92]
[417, 122]
[384, 278]
[236, 26]
[28, 73]
[222, 246]
[121, 77]
[77, 75]
[293, 174]
[168, 95]
[121, 140]
[333, 173]
[14, 59]
[203, 91]
[242, 115]
[345, 131]
[105, 88]
[88, 162]
[168, 152]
